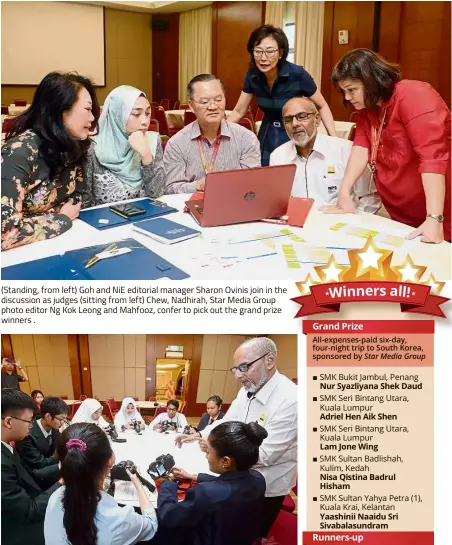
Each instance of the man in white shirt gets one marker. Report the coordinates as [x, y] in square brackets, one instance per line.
[178, 420]
[321, 160]
[269, 398]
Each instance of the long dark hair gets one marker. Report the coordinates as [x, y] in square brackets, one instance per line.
[82, 465]
[238, 441]
[55, 95]
[377, 74]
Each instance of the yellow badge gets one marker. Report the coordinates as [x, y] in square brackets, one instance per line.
[262, 417]
[331, 170]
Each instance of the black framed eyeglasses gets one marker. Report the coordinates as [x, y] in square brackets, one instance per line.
[244, 367]
[29, 422]
[301, 117]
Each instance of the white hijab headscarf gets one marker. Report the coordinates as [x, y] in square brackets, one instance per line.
[112, 147]
[122, 418]
[85, 413]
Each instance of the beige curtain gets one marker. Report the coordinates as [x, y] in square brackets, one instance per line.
[195, 46]
[274, 13]
[309, 37]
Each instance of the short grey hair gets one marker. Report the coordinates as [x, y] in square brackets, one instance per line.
[199, 79]
[313, 107]
[261, 346]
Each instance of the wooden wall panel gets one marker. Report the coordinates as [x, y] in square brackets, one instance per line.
[165, 59]
[232, 25]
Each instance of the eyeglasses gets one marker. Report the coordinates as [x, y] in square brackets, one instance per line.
[301, 117]
[29, 422]
[269, 53]
[206, 103]
[244, 367]
[59, 418]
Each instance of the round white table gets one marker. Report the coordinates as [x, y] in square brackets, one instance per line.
[186, 255]
[144, 449]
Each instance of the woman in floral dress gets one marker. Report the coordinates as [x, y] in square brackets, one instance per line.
[42, 182]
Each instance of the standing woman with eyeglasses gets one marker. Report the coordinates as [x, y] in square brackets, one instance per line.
[273, 81]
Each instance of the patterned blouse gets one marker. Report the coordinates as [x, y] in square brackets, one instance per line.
[104, 187]
[31, 199]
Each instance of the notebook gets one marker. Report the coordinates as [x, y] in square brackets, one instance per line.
[138, 264]
[103, 218]
[165, 231]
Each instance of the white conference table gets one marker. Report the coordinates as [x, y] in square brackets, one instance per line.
[186, 254]
[144, 449]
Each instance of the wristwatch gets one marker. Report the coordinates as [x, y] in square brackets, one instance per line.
[438, 217]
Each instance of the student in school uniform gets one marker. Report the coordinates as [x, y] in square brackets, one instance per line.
[172, 415]
[214, 412]
[37, 450]
[90, 412]
[128, 414]
[24, 502]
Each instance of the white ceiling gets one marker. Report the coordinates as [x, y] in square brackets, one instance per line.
[152, 7]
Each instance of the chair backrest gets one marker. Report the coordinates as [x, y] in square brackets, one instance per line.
[82, 397]
[344, 129]
[6, 124]
[5, 109]
[20, 102]
[246, 122]
[160, 116]
[64, 397]
[112, 402]
[183, 106]
[160, 410]
[154, 125]
[75, 407]
[189, 117]
[152, 398]
[176, 105]
[250, 116]
[259, 115]
[107, 411]
[164, 103]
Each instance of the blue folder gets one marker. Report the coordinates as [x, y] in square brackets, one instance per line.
[139, 264]
[92, 216]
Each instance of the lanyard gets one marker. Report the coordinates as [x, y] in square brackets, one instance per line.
[376, 135]
[209, 168]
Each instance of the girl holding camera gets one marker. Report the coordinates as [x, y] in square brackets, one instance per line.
[80, 512]
[128, 415]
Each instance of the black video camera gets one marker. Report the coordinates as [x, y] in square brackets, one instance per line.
[136, 427]
[111, 430]
[161, 466]
[186, 430]
[118, 473]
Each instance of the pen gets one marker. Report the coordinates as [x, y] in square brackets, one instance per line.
[95, 259]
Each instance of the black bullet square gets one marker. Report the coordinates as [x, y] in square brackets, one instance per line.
[314, 399]
[314, 459]
[314, 378]
[314, 499]
[314, 429]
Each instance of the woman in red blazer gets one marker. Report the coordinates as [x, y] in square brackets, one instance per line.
[403, 132]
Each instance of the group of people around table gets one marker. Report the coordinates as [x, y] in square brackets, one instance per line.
[62, 154]
[54, 471]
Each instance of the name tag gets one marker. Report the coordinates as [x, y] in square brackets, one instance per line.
[331, 170]
[262, 418]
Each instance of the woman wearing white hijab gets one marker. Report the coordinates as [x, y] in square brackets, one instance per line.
[125, 160]
[90, 411]
[127, 414]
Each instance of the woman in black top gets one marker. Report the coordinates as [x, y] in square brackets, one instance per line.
[42, 183]
[10, 375]
[273, 81]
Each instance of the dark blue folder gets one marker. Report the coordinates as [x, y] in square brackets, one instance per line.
[139, 264]
[92, 216]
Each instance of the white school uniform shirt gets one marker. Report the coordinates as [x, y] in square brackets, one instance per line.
[274, 407]
[122, 418]
[85, 411]
[115, 525]
[179, 419]
[320, 175]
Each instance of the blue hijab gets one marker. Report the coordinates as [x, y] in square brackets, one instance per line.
[112, 147]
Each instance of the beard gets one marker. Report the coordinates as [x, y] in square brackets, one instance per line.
[302, 139]
[254, 387]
